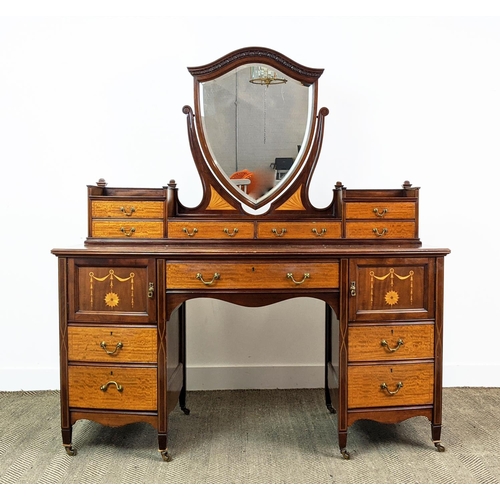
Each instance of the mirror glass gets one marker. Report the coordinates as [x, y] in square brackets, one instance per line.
[256, 123]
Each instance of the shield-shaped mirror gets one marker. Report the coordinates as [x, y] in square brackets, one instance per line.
[255, 114]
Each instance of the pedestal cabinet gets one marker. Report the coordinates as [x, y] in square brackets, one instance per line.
[122, 294]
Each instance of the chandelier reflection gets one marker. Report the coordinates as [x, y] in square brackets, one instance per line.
[262, 75]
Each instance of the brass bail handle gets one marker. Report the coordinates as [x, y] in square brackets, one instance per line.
[129, 213]
[279, 234]
[319, 233]
[208, 283]
[290, 277]
[104, 387]
[384, 343]
[391, 393]
[234, 233]
[119, 345]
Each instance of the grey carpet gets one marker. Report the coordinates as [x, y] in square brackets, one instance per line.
[252, 437]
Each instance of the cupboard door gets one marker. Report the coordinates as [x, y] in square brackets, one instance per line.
[112, 290]
[383, 289]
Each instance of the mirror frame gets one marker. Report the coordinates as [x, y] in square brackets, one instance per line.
[201, 152]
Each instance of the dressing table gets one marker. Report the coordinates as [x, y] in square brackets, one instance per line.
[254, 239]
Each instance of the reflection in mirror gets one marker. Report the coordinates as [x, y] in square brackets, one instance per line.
[256, 122]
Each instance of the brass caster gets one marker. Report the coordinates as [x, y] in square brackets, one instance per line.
[186, 411]
[70, 450]
[166, 456]
[331, 409]
[345, 454]
[439, 446]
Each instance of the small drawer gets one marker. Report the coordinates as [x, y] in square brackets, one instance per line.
[127, 229]
[393, 384]
[380, 230]
[132, 209]
[112, 388]
[211, 230]
[391, 342]
[252, 275]
[380, 210]
[109, 344]
[299, 230]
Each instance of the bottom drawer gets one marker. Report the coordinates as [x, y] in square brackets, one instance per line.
[405, 384]
[112, 388]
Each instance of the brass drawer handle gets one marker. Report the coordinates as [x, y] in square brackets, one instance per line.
[186, 230]
[128, 233]
[380, 213]
[384, 343]
[290, 277]
[322, 233]
[129, 213]
[234, 233]
[275, 232]
[378, 233]
[208, 283]
[391, 393]
[119, 387]
[119, 345]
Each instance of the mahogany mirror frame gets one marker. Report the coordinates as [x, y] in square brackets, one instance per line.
[210, 172]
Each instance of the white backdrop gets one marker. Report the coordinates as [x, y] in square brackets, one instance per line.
[410, 98]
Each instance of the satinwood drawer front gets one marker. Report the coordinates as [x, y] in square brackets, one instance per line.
[388, 289]
[385, 385]
[127, 229]
[110, 344]
[107, 290]
[299, 230]
[252, 275]
[391, 342]
[380, 210]
[381, 230]
[132, 209]
[112, 387]
[211, 230]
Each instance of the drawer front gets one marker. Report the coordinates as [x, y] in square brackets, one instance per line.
[299, 230]
[112, 388]
[132, 209]
[112, 290]
[251, 275]
[391, 342]
[384, 385]
[380, 230]
[380, 210]
[211, 230]
[123, 345]
[127, 229]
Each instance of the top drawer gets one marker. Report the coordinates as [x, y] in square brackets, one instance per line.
[131, 209]
[380, 210]
[252, 275]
